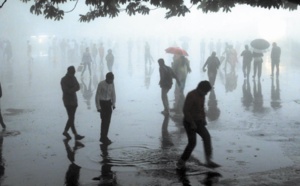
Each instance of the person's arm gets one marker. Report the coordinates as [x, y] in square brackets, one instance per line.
[205, 64]
[97, 98]
[113, 97]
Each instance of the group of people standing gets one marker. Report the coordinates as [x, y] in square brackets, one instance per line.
[257, 58]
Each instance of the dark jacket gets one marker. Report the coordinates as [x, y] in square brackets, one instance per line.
[166, 76]
[193, 108]
[69, 86]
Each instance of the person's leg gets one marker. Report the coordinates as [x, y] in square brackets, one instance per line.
[71, 118]
[203, 132]
[89, 66]
[1, 121]
[164, 98]
[84, 67]
[192, 140]
[244, 68]
[277, 68]
[254, 69]
[248, 69]
[259, 69]
[106, 112]
[272, 68]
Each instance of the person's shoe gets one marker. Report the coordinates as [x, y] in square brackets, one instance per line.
[67, 135]
[212, 165]
[78, 137]
[165, 112]
[105, 141]
[78, 145]
[180, 164]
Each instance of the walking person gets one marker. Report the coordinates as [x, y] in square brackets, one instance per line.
[247, 58]
[166, 76]
[257, 64]
[86, 60]
[212, 64]
[109, 60]
[101, 54]
[194, 122]
[275, 58]
[105, 104]
[1, 118]
[70, 86]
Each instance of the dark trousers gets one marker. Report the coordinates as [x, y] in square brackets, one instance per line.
[275, 64]
[257, 65]
[71, 110]
[192, 140]
[246, 68]
[105, 115]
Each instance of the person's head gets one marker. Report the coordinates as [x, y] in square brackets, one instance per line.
[204, 87]
[274, 44]
[246, 47]
[213, 54]
[109, 78]
[109, 51]
[161, 62]
[71, 70]
[87, 49]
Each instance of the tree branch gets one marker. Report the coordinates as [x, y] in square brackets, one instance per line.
[3, 3]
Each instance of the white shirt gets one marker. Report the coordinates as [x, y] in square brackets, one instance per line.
[105, 92]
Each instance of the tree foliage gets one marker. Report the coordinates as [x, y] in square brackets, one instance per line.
[112, 8]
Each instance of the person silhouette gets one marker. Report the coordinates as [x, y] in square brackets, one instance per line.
[70, 86]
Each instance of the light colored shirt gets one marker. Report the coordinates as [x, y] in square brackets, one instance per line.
[105, 92]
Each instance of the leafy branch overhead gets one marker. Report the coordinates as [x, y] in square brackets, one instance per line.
[50, 9]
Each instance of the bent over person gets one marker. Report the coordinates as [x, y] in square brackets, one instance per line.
[70, 86]
[194, 122]
[105, 103]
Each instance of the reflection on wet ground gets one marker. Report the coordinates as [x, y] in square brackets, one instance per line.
[246, 118]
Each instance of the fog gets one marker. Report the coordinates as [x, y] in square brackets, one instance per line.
[249, 120]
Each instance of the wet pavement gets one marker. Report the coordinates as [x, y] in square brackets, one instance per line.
[254, 127]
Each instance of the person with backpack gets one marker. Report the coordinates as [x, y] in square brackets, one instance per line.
[166, 76]
[247, 58]
[212, 64]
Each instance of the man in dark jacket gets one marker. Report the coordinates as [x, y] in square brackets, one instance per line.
[275, 58]
[166, 76]
[212, 64]
[247, 58]
[194, 122]
[70, 86]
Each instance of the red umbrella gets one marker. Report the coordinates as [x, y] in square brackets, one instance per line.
[176, 50]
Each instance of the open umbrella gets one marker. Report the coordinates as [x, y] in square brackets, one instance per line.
[176, 50]
[260, 44]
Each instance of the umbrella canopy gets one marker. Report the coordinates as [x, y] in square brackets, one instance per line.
[260, 44]
[176, 50]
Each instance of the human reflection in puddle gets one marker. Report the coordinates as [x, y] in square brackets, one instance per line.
[275, 94]
[258, 100]
[107, 177]
[73, 172]
[87, 92]
[166, 141]
[148, 73]
[213, 112]
[247, 98]
[210, 178]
